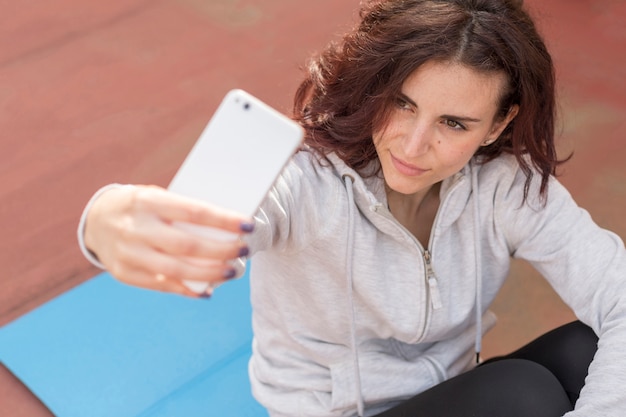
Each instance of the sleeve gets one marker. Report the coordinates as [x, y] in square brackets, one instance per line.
[586, 265]
[296, 210]
[89, 255]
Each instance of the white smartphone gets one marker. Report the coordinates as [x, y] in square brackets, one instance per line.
[236, 160]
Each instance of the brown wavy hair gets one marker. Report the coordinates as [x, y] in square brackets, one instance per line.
[350, 87]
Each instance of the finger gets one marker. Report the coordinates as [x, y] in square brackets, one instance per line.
[172, 240]
[180, 268]
[176, 208]
[160, 282]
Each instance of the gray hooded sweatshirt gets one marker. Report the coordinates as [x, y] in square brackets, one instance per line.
[352, 315]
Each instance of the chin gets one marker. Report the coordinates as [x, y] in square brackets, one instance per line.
[406, 186]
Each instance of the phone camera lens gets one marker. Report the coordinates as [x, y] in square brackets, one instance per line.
[246, 106]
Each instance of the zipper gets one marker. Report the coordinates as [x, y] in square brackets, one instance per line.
[433, 284]
[431, 279]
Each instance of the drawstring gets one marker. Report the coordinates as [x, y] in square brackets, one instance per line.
[350, 284]
[477, 262]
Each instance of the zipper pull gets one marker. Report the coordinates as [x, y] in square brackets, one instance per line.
[433, 285]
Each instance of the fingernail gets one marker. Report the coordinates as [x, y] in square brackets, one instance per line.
[205, 295]
[230, 273]
[247, 227]
[245, 251]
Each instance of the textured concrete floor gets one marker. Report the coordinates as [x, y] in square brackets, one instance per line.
[99, 92]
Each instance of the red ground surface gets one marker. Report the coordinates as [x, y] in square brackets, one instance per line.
[118, 91]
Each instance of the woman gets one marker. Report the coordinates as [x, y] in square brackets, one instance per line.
[429, 163]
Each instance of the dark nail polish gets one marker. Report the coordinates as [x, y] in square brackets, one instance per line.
[247, 227]
[244, 252]
[230, 273]
[205, 295]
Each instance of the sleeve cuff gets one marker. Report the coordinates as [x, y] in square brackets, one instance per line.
[89, 255]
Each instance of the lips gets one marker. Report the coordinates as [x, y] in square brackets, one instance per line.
[405, 168]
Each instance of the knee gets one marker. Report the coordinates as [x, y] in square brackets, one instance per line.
[525, 388]
[579, 335]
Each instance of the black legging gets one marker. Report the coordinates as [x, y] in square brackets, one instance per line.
[542, 379]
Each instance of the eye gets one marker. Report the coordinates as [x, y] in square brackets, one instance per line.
[453, 124]
[402, 104]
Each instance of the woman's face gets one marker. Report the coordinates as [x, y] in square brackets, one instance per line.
[445, 112]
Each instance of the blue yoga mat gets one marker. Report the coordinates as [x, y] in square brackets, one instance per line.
[107, 349]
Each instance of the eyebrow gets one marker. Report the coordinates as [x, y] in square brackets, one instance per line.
[461, 118]
[465, 119]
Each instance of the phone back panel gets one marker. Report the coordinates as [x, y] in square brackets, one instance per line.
[239, 155]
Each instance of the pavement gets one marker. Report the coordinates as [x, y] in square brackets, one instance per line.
[118, 91]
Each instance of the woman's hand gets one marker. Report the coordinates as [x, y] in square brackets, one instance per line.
[131, 231]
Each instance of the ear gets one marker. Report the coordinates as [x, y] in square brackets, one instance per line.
[499, 126]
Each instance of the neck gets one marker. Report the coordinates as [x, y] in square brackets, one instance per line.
[411, 204]
[416, 212]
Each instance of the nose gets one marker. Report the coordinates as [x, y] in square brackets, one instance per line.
[417, 140]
